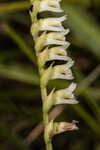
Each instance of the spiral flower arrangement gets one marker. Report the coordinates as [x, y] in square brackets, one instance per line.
[50, 46]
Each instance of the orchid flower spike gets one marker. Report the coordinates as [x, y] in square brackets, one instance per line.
[53, 62]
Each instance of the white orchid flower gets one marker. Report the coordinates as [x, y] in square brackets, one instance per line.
[63, 71]
[66, 96]
[58, 53]
[52, 24]
[50, 5]
[57, 38]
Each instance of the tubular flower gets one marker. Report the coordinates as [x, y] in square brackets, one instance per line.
[50, 46]
[66, 96]
[53, 38]
[52, 24]
[54, 128]
[63, 71]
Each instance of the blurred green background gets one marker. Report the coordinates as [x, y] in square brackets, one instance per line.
[20, 99]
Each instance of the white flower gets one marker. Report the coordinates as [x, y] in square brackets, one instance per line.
[61, 127]
[58, 53]
[63, 71]
[52, 38]
[50, 5]
[66, 96]
[57, 38]
[52, 24]
[55, 53]
[54, 128]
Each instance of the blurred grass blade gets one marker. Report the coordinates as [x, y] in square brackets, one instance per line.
[6, 55]
[84, 28]
[75, 2]
[89, 79]
[20, 74]
[83, 88]
[24, 94]
[20, 42]
[14, 140]
[90, 99]
[14, 6]
[87, 118]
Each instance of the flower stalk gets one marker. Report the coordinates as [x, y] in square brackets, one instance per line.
[50, 46]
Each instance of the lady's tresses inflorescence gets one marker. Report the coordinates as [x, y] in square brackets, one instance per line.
[50, 46]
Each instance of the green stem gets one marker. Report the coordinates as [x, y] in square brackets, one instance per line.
[43, 91]
[45, 113]
[45, 118]
[49, 146]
